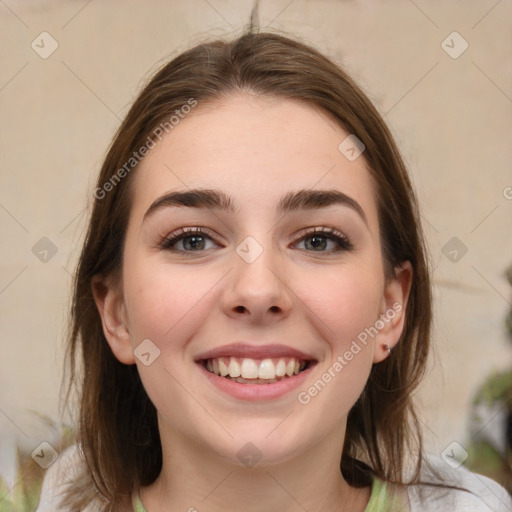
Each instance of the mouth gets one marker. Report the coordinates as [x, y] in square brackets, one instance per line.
[256, 372]
[245, 370]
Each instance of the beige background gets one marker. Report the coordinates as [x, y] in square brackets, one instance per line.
[450, 116]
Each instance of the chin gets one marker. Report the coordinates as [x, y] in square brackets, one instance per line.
[258, 445]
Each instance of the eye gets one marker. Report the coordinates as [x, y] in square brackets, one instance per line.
[191, 239]
[319, 239]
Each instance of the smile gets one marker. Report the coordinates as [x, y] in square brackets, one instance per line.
[255, 371]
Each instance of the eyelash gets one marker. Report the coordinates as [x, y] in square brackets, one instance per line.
[343, 242]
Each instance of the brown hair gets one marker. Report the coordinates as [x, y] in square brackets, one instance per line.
[117, 426]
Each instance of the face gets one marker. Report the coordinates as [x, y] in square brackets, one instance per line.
[286, 278]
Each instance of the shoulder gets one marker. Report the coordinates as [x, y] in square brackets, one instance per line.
[456, 489]
[67, 470]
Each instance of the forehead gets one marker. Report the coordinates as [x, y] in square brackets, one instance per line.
[256, 149]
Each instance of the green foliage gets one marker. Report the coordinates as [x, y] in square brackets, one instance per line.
[24, 495]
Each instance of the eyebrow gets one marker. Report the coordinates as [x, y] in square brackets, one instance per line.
[306, 199]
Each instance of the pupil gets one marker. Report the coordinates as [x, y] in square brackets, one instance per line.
[195, 242]
[318, 239]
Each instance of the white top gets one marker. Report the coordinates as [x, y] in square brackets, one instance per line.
[483, 495]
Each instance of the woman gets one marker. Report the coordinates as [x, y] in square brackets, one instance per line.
[252, 305]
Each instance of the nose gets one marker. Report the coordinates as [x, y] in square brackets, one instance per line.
[257, 291]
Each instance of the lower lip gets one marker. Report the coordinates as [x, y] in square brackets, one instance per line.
[254, 392]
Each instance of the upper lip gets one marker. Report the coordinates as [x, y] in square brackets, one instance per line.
[245, 350]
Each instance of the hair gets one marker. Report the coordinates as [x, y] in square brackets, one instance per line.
[117, 425]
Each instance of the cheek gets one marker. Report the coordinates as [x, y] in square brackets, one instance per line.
[345, 302]
[345, 306]
[161, 299]
[167, 305]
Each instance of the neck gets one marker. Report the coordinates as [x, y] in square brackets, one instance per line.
[193, 480]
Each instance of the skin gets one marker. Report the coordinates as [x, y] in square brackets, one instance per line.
[255, 149]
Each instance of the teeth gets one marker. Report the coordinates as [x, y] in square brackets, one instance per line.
[267, 370]
[234, 368]
[247, 368]
[281, 368]
[223, 369]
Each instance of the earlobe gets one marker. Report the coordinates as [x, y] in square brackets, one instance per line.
[110, 305]
[393, 311]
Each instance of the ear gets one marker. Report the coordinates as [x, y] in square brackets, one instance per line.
[392, 311]
[109, 300]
